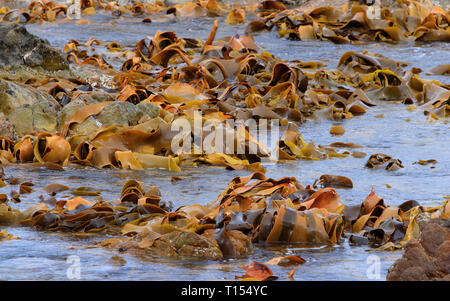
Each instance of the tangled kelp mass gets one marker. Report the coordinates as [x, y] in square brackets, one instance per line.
[398, 21]
[166, 79]
[121, 106]
[250, 209]
[354, 21]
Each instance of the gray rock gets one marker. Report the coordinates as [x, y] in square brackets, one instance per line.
[99, 96]
[126, 113]
[19, 48]
[70, 109]
[149, 110]
[121, 113]
[27, 109]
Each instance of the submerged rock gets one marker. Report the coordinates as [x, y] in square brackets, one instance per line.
[188, 244]
[177, 244]
[240, 243]
[426, 259]
[25, 109]
[19, 48]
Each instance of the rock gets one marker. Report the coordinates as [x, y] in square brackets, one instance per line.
[414, 264]
[83, 99]
[443, 258]
[177, 244]
[187, 244]
[184, 244]
[98, 95]
[433, 235]
[118, 112]
[241, 243]
[6, 130]
[413, 274]
[117, 260]
[423, 219]
[70, 109]
[19, 48]
[426, 259]
[27, 109]
[115, 113]
[149, 110]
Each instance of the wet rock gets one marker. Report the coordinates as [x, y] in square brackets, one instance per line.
[26, 109]
[415, 264]
[19, 48]
[117, 260]
[177, 244]
[426, 259]
[241, 243]
[188, 244]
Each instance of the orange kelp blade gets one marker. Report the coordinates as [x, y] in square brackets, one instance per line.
[82, 114]
[258, 271]
[51, 148]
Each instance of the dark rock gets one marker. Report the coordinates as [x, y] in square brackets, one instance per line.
[19, 48]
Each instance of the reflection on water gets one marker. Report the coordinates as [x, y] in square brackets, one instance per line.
[42, 255]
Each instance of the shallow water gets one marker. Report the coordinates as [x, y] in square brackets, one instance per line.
[402, 134]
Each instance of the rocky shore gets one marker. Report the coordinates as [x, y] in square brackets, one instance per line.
[427, 258]
[49, 114]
